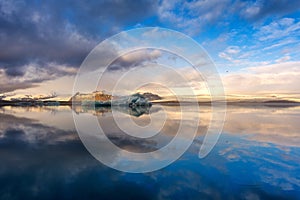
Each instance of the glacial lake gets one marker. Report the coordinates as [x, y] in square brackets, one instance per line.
[256, 157]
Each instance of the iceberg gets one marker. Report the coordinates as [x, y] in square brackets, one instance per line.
[135, 100]
[132, 101]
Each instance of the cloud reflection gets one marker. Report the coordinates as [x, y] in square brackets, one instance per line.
[41, 160]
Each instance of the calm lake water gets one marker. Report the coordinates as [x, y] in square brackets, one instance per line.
[256, 157]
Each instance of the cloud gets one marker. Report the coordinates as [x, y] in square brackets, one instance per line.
[192, 16]
[32, 76]
[66, 33]
[261, 9]
[283, 59]
[232, 50]
[63, 33]
[60, 33]
[136, 58]
[281, 43]
[229, 53]
[281, 78]
[279, 29]
[196, 16]
[225, 56]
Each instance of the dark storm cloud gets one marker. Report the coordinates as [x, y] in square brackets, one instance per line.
[261, 9]
[13, 71]
[60, 32]
[46, 33]
[29, 76]
[12, 87]
[134, 59]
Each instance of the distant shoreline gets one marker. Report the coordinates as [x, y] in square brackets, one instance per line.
[280, 103]
[271, 103]
[34, 103]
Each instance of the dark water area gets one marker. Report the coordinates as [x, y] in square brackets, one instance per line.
[256, 157]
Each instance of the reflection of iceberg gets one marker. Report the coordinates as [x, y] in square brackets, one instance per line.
[95, 110]
[134, 111]
[96, 103]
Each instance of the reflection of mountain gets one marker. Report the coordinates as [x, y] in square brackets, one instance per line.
[133, 111]
[136, 111]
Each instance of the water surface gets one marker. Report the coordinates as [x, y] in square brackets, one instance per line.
[256, 157]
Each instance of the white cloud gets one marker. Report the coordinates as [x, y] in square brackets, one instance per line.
[251, 11]
[279, 29]
[280, 78]
[225, 56]
[232, 50]
[230, 53]
[139, 56]
[281, 43]
[194, 15]
[283, 59]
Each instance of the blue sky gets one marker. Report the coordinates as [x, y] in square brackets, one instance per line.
[253, 43]
[238, 34]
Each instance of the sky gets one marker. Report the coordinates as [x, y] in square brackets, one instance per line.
[255, 45]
